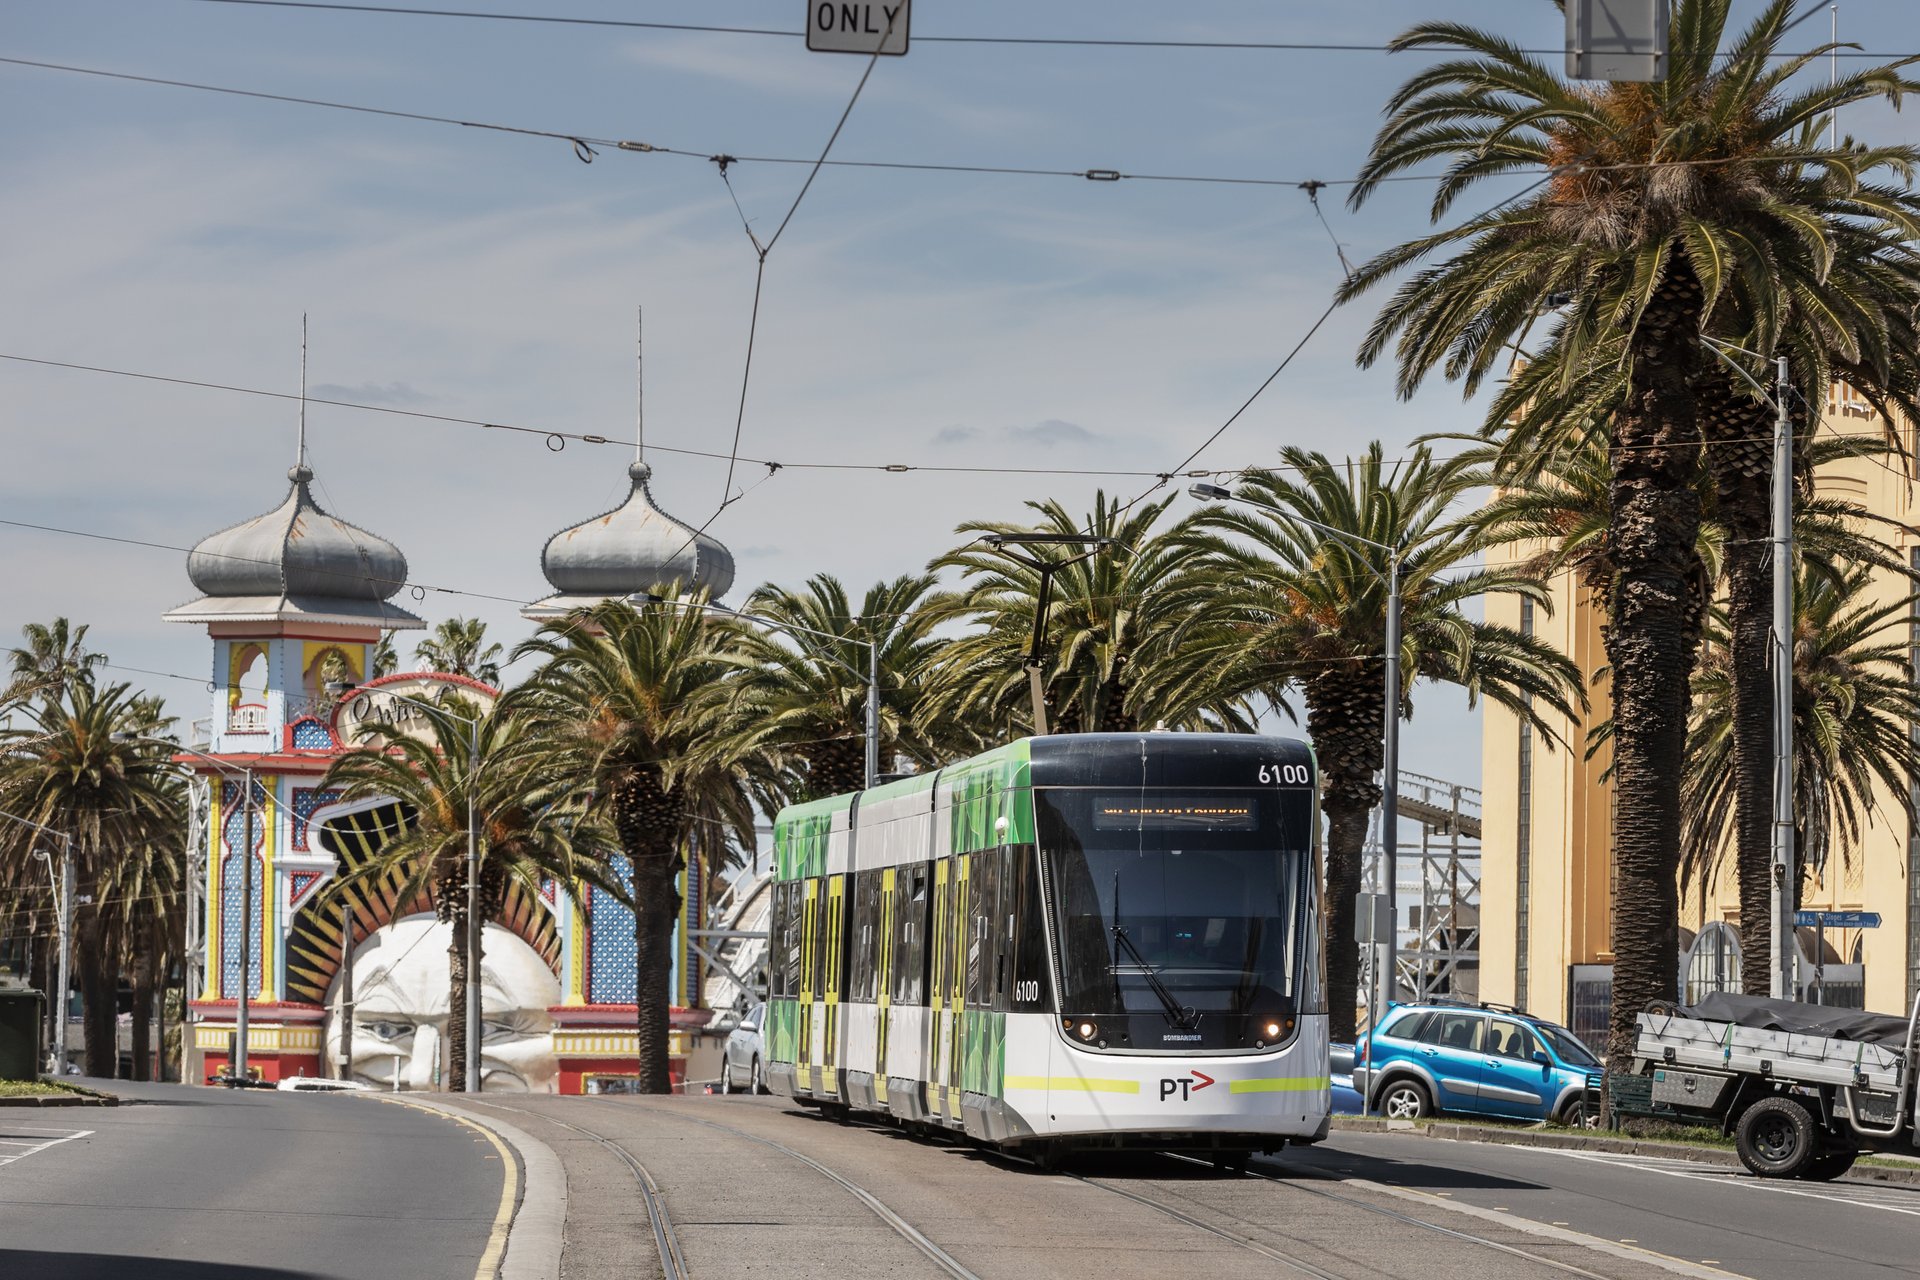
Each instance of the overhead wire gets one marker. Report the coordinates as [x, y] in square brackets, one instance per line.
[1093, 42]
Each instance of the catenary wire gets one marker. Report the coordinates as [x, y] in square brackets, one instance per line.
[585, 145]
[1093, 42]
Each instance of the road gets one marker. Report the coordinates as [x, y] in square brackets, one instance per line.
[1703, 1213]
[215, 1184]
[752, 1187]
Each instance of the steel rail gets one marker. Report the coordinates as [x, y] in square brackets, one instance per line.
[1408, 1218]
[906, 1230]
[1245, 1242]
[673, 1263]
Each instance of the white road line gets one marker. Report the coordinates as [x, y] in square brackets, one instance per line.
[1829, 1192]
[8, 1158]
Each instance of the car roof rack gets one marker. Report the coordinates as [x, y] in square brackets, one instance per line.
[1449, 1002]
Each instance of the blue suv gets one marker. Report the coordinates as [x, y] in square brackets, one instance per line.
[1476, 1060]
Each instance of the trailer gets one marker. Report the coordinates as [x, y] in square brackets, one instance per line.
[1803, 1088]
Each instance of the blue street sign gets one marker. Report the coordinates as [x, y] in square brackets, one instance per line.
[1837, 919]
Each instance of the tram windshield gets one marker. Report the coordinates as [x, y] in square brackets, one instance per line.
[1179, 913]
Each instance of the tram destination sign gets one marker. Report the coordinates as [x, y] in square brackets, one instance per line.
[1836, 919]
[859, 26]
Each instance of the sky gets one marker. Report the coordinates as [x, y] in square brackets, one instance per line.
[917, 318]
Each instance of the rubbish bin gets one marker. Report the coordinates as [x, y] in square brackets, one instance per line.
[22, 1014]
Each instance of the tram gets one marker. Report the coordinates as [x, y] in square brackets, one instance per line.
[1075, 941]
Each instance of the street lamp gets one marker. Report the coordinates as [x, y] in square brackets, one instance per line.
[1390, 732]
[1036, 684]
[63, 925]
[1783, 984]
[872, 676]
[237, 1059]
[340, 688]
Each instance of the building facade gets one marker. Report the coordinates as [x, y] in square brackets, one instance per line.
[1546, 893]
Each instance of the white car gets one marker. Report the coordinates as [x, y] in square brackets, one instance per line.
[743, 1055]
[321, 1084]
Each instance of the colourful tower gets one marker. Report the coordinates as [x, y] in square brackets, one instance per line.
[291, 599]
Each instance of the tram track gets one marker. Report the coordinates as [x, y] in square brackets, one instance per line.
[673, 1263]
[1294, 1184]
[1291, 1261]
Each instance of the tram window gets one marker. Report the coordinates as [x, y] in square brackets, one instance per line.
[983, 913]
[910, 935]
[866, 927]
[786, 906]
[1031, 989]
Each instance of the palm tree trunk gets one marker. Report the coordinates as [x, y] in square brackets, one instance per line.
[99, 981]
[143, 984]
[456, 1081]
[837, 766]
[1652, 634]
[1345, 705]
[648, 818]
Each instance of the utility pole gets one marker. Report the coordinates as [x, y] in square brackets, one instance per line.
[1784, 874]
[472, 1081]
[346, 990]
[64, 988]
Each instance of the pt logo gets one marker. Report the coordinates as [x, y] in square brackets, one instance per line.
[1187, 1086]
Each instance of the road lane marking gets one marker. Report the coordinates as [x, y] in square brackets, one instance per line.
[1863, 1199]
[509, 1185]
[10, 1157]
[1630, 1252]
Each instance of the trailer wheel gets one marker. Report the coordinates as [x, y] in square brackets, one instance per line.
[1829, 1165]
[1776, 1138]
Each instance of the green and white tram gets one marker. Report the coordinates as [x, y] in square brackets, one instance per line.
[1073, 941]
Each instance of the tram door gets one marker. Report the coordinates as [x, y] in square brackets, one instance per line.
[883, 983]
[836, 960]
[947, 1004]
[803, 1053]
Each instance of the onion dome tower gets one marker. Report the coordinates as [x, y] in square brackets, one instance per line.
[634, 548]
[293, 600]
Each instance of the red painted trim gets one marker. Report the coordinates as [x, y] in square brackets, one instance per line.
[368, 634]
[574, 1072]
[273, 1067]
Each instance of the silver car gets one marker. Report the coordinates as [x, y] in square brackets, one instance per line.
[745, 1051]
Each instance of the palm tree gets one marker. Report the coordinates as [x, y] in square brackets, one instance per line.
[1668, 209]
[1101, 629]
[385, 660]
[1854, 708]
[809, 691]
[73, 768]
[458, 646]
[52, 656]
[631, 711]
[1273, 602]
[520, 833]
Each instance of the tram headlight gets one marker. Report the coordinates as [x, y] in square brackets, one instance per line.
[1084, 1028]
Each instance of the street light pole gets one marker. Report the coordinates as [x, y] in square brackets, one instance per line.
[1782, 984]
[1386, 979]
[63, 927]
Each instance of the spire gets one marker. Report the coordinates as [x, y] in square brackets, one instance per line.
[640, 384]
[302, 473]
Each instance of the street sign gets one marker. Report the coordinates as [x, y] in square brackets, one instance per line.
[864, 26]
[1617, 39]
[1837, 919]
[1371, 921]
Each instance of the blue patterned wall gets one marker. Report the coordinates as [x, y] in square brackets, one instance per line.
[233, 832]
[610, 963]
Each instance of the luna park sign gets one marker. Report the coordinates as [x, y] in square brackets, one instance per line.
[410, 703]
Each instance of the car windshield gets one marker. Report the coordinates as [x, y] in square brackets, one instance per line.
[1183, 902]
[1567, 1046]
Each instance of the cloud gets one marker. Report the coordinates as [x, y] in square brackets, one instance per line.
[955, 435]
[398, 394]
[1051, 432]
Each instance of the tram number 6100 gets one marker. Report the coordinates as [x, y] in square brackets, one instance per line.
[1286, 775]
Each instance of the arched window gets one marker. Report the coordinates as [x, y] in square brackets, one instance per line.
[247, 689]
[1712, 963]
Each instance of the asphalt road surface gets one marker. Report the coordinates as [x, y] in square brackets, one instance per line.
[752, 1186]
[1702, 1213]
[213, 1184]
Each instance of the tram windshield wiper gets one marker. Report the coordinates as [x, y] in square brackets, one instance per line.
[1178, 1014]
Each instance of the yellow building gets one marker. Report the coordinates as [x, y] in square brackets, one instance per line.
[1546, 892]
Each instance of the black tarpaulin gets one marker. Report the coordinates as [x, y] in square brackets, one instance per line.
[1768, 1014]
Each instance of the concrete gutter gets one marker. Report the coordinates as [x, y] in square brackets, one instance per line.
[540, 1218]
[1608, 1143]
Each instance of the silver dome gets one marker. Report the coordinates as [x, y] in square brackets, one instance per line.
[633, 548]
[296, 560]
